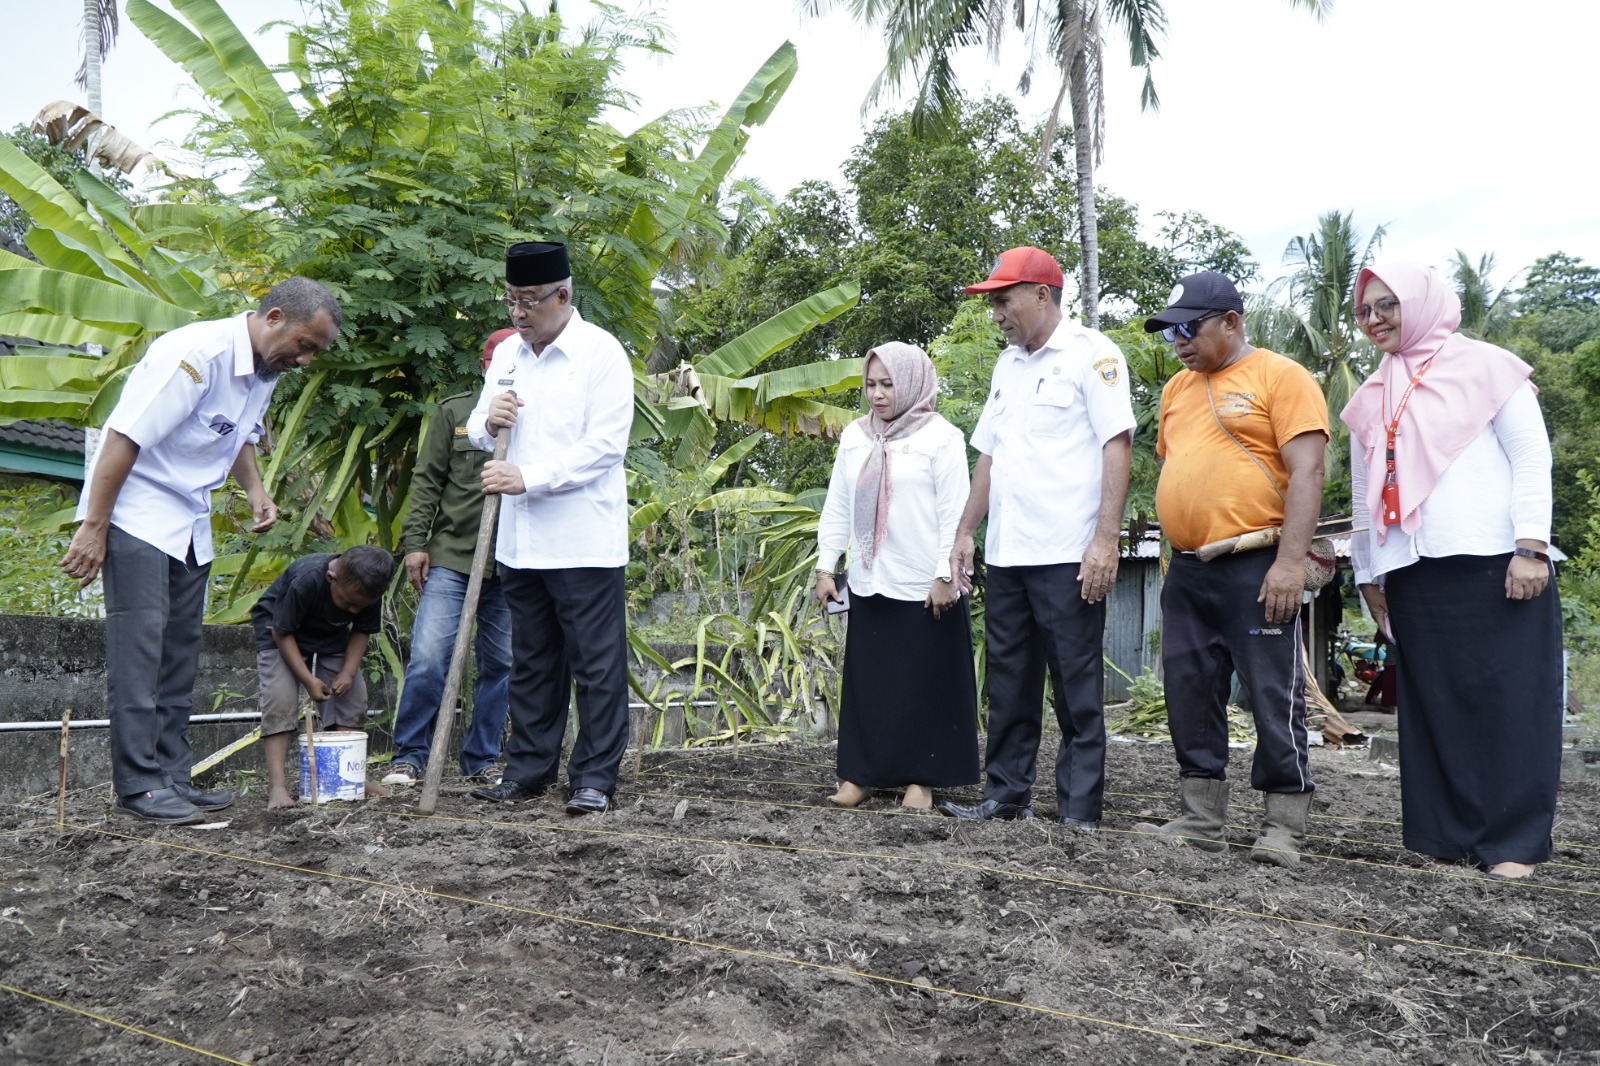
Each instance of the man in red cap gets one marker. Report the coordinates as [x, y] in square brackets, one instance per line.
[437, 540]
[1055, 442]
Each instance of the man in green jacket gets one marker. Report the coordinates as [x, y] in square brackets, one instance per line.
[437, 539]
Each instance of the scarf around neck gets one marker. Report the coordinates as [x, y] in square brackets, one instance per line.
[915, 388]
[1466, 385]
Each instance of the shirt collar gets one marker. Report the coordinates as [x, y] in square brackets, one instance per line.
[244, 354]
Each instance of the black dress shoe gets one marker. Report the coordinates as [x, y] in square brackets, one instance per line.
[1086, 827]
[508, 791]
[217, 799]
[163, 806]
[983, 812]
[588, 801]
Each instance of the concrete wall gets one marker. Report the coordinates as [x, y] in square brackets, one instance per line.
[48, 664]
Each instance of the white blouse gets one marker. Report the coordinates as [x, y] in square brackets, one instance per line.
[930, 482]
[1495, 493]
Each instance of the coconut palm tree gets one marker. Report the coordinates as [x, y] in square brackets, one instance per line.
[1485, 312]
[921, 37]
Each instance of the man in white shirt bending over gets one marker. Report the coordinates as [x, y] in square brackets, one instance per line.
[1055, 442]
[563, 389]
[190, 412]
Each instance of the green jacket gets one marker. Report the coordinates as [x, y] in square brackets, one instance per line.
[446, 494]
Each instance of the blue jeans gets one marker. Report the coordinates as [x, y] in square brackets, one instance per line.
[433, 637]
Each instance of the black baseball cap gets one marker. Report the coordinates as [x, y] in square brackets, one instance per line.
[1194, 296]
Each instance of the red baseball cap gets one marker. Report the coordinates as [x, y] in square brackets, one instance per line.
[1021, 266]
[494, 342]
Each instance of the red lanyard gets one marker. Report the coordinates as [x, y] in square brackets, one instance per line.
[1391, 488]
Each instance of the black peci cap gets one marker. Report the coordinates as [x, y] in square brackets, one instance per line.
[536, 263]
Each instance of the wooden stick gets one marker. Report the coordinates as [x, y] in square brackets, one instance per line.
[61, 772]
[311, 751]
[487, 524]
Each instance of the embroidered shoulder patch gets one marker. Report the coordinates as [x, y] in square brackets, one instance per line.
[461, 431]
[1107, 369]
[194, 375]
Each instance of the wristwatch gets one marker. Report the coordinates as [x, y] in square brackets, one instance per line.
[1529, 553]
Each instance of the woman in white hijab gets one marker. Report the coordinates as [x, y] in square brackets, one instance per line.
[909, 715]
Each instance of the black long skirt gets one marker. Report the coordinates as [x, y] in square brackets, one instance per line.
[1480, 710]
[909, 714]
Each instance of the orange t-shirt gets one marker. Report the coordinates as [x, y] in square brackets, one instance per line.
[1209, 489]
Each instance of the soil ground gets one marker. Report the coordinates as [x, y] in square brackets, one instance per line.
[723, 913]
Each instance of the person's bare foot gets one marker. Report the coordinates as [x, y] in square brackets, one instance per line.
[1511, 871]
[376, 791]
[279, 799]
[850, 794]
[918, 798]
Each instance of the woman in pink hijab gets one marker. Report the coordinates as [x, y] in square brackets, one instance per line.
[909, 711]
[1450, 472]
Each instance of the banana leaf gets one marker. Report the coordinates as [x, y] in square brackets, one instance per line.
[736, 358]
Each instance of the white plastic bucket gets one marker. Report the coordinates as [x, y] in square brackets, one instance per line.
[341, 766]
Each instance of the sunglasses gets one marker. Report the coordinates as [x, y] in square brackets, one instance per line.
[1187, 330]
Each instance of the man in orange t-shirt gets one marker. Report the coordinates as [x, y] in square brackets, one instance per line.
[1240, 438]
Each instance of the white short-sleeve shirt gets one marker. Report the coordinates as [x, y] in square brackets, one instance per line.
[568, 441]
[190, 405]
[928, 472]
[1048, 416]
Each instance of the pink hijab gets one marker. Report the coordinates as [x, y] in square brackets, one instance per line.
[915, 388]
[1463, 390]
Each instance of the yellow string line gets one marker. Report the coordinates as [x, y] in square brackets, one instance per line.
[708, 945]
[1003, 872]
[120, 1025]
[27, 829]
[1325, 815]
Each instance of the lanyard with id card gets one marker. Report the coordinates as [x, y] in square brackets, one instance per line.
[1391, 486]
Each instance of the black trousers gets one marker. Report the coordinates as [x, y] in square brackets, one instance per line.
[1212, 627]
[567, 626]
[1480, 710]
[154, 608]
[1036, 620]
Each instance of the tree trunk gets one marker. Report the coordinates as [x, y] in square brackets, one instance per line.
[93, 47]
[1088, 218]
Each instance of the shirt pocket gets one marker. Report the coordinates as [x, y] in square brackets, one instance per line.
[466, 459]
[204, 435]
[1054, 409]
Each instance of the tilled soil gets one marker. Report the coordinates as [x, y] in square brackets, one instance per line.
[724, 913]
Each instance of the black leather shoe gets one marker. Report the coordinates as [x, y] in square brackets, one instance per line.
[508, 791]
[983, 812]
[588, 801]
[1087, 828]
[218, 799]
[163, 806]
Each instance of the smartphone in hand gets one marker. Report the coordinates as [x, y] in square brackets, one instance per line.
[842, 604]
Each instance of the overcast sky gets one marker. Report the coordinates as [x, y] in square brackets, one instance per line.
[1455, 123]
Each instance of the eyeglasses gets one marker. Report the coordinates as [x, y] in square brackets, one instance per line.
[1385, 309]
[1187, 330]
[524, 303]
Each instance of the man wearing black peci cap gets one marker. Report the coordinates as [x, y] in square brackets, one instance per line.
[1240, 438]
[563, 389]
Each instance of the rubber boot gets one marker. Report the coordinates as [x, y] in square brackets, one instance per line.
[1283, 830]
[1205, 812]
